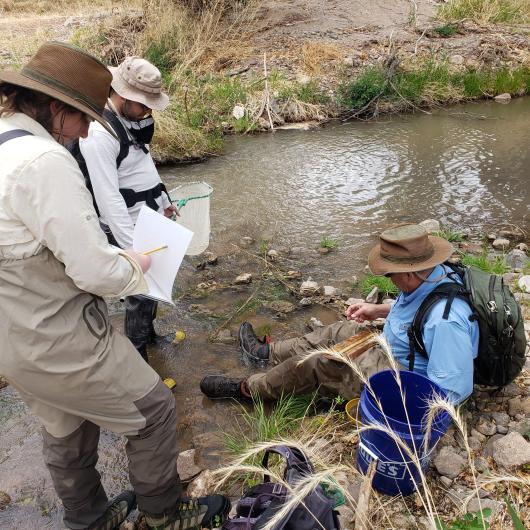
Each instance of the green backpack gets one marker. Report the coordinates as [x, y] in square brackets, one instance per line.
[502, 341]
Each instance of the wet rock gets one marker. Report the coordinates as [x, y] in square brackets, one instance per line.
[503, 98]
[431, 225]
[373, 296]
[244, 278]
[280, 306]
[5, 499]
[203, 484]
[246, 241]
[305, 302]
[516, 259]
[273, 255]
[238, 112]
[331, 292]
[314, 323]
[225, 337]
[293, 274]
[493, 505]
[186, 466]
[309, 288]
[511, 451]
[522, 246]
[519, 405]
[487, 428]
[524, 283]
[449, 463]
[501, 243]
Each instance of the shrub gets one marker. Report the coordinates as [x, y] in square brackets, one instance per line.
[383, 283]
[495, 265]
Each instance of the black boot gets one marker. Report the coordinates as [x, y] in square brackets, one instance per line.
[221, 387]
[203, 512]
[255, 350]
[117, 511]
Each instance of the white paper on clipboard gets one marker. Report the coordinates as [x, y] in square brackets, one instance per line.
[153, 230]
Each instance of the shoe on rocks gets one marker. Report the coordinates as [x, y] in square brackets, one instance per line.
[221, 387]
[255, 350]
[193, 513]
[116, 512]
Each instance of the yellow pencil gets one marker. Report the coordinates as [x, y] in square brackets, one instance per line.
[153, 250]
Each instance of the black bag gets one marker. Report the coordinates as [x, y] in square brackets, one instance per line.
[260, 503]
[502, 341]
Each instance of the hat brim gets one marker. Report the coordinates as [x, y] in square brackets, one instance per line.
[381, 266]
[19, 79]
[158, 101]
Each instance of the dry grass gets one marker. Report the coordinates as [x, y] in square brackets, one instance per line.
[315, 57]
[487, 11]
[62, 7]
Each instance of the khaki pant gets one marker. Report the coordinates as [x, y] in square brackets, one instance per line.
[330, 378]
[77, 374]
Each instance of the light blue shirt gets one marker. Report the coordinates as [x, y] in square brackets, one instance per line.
[451, 344]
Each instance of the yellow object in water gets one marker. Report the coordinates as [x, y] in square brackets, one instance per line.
[179, 336]
[170, 383]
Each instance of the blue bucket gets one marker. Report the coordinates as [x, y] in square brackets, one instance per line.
[395, 473]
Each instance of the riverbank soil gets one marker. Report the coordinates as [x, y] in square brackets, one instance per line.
[249, 66]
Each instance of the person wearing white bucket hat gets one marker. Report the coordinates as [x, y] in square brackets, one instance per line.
[122, 174]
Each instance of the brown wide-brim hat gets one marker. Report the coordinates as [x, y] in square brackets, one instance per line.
[138, 80]
[68, 74]
[407, 248]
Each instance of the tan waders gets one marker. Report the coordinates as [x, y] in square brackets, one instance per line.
[331, 378]
[77, 374]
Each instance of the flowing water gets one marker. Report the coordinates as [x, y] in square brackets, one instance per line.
[467, 166]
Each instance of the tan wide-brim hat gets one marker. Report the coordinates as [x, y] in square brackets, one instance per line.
[138, 80]
[68, 74]
[407, 248]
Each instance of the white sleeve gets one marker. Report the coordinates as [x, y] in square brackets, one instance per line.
[100, 151]
[51, 199]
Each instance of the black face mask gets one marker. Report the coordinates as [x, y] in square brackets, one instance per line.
[142, 131]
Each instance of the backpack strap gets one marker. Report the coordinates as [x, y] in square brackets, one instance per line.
[450, 291]
[123, 137]
[294, 457]
[14, 133]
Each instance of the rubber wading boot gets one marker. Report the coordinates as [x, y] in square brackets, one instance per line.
[193, 513]
[255, 350]
[116, 512]
[221, 387]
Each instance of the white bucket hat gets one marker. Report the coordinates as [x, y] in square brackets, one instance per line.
[138, 80]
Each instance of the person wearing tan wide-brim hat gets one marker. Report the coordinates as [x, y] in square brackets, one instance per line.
[123, 174]
[413, 260]
[59, 351]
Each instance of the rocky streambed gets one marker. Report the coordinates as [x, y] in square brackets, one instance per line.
[273, 288]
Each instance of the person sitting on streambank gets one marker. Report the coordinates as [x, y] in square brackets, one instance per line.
[123, 174]
[413, 260]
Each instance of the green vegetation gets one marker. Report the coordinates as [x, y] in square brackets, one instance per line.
[262, 425]
[487, 11]
[446, 31]
[495, 265]
[431, 83]
[263, 246]
[328, 242]
[451, 235]
[516, 520]
[384, 284]
[469, 521]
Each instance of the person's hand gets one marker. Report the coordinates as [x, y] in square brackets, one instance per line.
[170, 211]
[143, 261]
[363, 311]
